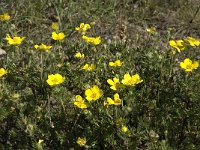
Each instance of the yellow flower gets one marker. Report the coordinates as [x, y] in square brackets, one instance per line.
[188, 65]
[79, 55]
[96, 41]
[55, 25]
[178, 44]
[55, 79]
[43, 47]
[40, 141]
[115, 84]
[131, 80]
[4, 17]
[93, 94]
[192, 41]
[117, 63]
[3, 72]
[92, 40]
[81, 141]
[116, 101]
[88, 67]
[83, 28]
[151, 30]
[16, 40]
[79, 102]
[124, 128]
[58, 36]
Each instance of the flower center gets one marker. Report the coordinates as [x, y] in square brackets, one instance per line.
[94, 95]
[55, 80]
[189, 66]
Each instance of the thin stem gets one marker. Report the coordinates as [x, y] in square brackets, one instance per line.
[63, 107]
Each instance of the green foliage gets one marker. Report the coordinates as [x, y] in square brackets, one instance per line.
[162, 112]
